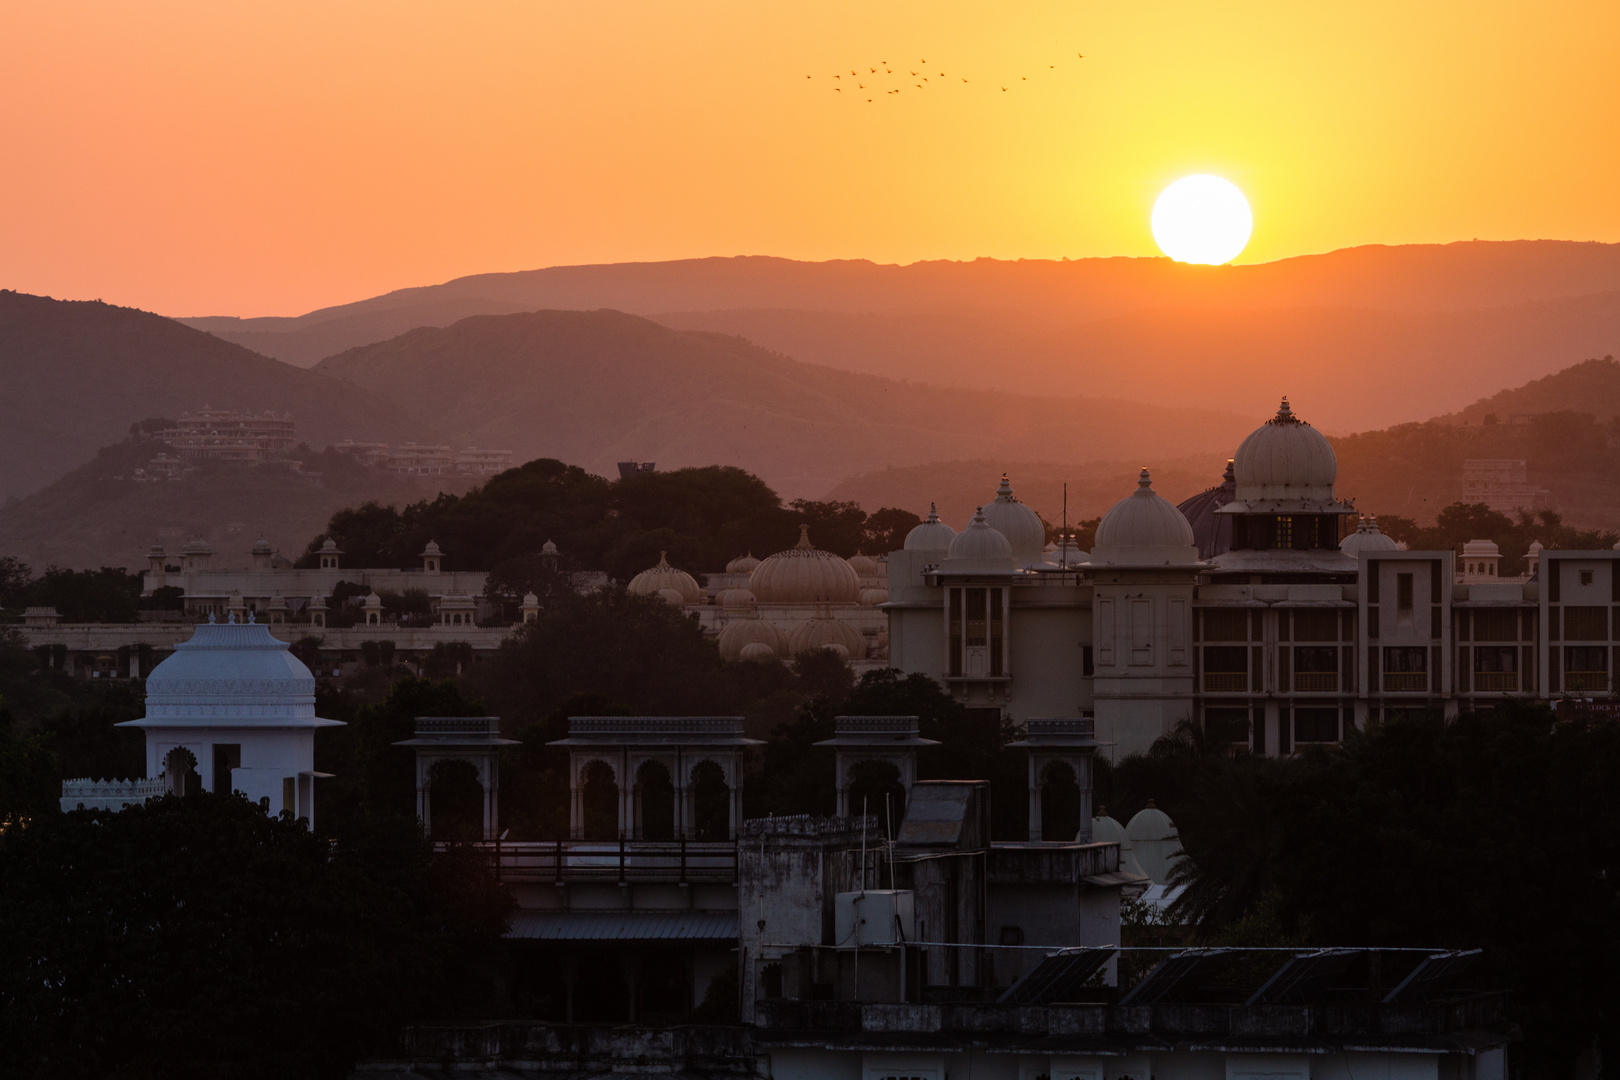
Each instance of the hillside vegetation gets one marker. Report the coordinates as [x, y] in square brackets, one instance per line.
[77, 374]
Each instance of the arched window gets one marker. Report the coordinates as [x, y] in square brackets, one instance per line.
[655, 798]
[180, 770]
[600, 796]
[457, 799]
[875, 788]
[1060, 802]
[711, 802]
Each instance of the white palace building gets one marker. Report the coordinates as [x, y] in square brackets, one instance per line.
[1260, 609]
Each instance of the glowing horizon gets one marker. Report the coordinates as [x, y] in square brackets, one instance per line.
[256, 159]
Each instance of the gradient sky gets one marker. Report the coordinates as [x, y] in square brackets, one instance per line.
[254, 159]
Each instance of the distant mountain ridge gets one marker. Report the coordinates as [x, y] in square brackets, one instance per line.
[1388, 334]
[78, 373]
[593, 388]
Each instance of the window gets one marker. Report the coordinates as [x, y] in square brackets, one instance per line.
[1403, 658]
[1496, 625]
[1316, 725]
[1226, 669]
[1586, 577]
[1316, 668]
[1496, 668]
[1403, 592]
[1316, 625]
[996, 634]
[1226, 625]
[1285, 532]
[1012, 935]
[976, 630]
[954, 660]
[1586, 623]
[1226, 727]
[1586, 668]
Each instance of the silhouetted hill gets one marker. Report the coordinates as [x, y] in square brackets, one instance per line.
[77, 374]
[100, 515]
[600, 387]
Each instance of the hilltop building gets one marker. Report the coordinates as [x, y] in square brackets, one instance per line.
[1262, 609]
[226, 435]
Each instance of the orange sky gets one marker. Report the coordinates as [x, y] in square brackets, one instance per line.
[247, 158]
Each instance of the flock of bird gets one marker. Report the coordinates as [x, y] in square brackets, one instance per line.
[903, 70]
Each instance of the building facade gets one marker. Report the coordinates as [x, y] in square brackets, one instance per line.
[1262, 609]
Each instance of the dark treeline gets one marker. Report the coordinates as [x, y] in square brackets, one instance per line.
[1496, 831]
[111, 594]
[703, 518]
[1461, 522]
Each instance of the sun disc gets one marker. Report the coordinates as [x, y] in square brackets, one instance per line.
[1202, 219]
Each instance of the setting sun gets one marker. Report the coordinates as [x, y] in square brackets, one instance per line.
[1202, 219]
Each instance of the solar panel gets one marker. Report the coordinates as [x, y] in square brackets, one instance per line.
[1183, 967]
[1434, 974]
[1057, 977]
[1304, 977]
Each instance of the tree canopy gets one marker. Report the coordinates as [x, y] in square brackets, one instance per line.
[701, 517]
[1461, 522]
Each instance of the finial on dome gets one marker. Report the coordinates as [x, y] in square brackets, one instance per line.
[978, 518]
[210, 618]
[663, 563]
[233, 618]
[1005, 492]
[1285, 415]
[933, 514]
[1144, 482]
[804, 537]
[251, 619]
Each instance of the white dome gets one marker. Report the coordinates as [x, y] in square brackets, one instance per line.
[932, 535]
[1018, 523]
[672, 596]
[664, 576]
[1366, 538]
[741, 634]
[1482, 549]
[1285, 459]
[824, 632]
[979, 549]
[863, 565]
[874, 597]
[742, 564]
[231, 675]
[1142, 529]
[734, 599]
[1066, 553]
[756, 650]
[804, 575]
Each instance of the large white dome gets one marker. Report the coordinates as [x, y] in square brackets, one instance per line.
[231, 675]
[1018, 523]
[804, 575]
[664, 576]
[1144, 528]
[1285, 459]
[932, 535]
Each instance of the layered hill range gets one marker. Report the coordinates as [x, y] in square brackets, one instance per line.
[78, 373]
[595, 388]
[1379, 335]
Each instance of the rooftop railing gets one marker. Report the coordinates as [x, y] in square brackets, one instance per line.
[655, 725]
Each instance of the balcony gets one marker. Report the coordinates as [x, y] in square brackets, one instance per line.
[1587, 682]
[1496, 682]
[1406, 682]
[1226, 682]
[1316, 682]
[611, 861]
